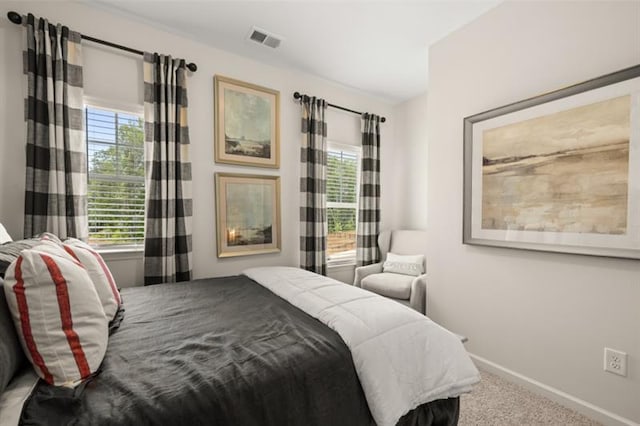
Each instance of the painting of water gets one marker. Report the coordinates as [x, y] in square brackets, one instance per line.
[564, 172]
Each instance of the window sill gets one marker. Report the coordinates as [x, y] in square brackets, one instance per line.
[121, 253]
[341, 264]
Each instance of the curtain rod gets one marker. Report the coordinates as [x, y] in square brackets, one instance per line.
[16, 18]
[297, 95]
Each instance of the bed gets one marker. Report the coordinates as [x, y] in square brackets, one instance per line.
[228, 351]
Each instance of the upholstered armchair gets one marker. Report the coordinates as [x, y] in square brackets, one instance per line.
[400, 278]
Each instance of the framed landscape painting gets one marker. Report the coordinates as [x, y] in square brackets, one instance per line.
[248, 214]
[558, 172]
[247, 129]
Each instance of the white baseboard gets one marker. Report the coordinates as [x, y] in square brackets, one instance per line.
[592, 411]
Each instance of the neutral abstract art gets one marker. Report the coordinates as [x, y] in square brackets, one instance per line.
[564, 172]
[558, 172]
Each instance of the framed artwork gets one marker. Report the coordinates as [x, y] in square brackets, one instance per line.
[248, 214]
[247, 123]
[558, 172]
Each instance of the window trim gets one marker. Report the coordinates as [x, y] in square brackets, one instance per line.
[346, 258]
[120, 108]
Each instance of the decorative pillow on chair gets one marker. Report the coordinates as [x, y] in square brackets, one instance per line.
[99, 272]
[402, 264]
[57, 314]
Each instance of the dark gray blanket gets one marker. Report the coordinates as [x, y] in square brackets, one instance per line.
[222, 351]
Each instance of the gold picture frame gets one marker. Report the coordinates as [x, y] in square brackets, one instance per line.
[247, 123]
[248, 214]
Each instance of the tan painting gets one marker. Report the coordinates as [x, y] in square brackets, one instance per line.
[563, 172]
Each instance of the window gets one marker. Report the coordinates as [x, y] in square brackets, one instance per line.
[343, 164]
[115, 147]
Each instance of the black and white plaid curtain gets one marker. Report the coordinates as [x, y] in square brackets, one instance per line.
[369, 203]
[313, 186]
[56, 173]
[168, 204]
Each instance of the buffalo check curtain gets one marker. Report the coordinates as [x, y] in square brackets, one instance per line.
[313, 186]
[168, 204]
[368, 225]
[56, 172]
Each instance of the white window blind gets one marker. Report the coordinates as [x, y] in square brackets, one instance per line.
[115, 147]
[343, 164]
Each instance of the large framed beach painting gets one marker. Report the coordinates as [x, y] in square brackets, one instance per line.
[558, 172]
[247, 129]
[248, 214]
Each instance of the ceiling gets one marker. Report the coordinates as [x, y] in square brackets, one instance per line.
[376, 47]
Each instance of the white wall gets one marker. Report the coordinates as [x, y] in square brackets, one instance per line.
[544, 316]
[411, 133]
[110, 73]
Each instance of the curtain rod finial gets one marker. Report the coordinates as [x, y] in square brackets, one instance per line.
[14, 17]
[192, 67]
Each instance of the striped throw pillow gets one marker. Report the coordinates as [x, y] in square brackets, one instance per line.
[57, 314]
[99, 272]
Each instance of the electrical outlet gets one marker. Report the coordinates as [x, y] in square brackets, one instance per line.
[615, 362]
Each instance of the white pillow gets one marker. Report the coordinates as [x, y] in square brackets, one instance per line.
[4, 235]
[404, 264]
[57, 314]
[99, 272]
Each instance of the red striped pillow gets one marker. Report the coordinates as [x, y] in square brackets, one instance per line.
[100, 275]
[58, 316]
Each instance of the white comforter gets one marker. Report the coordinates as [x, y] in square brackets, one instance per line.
[402, 358]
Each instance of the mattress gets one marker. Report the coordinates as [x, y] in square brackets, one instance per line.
[220, 351]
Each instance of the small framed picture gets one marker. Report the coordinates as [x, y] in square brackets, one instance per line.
[247, 123]
[248, 214]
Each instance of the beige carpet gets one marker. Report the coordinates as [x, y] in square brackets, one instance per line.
[496, 402]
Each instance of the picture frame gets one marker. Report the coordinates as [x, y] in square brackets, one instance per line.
[559, 172]
[247, 123]
[247, 214]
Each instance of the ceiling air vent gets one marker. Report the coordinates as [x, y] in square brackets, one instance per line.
[261, 36]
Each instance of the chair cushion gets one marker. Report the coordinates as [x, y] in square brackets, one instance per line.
[388, 284]
[408, 242]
